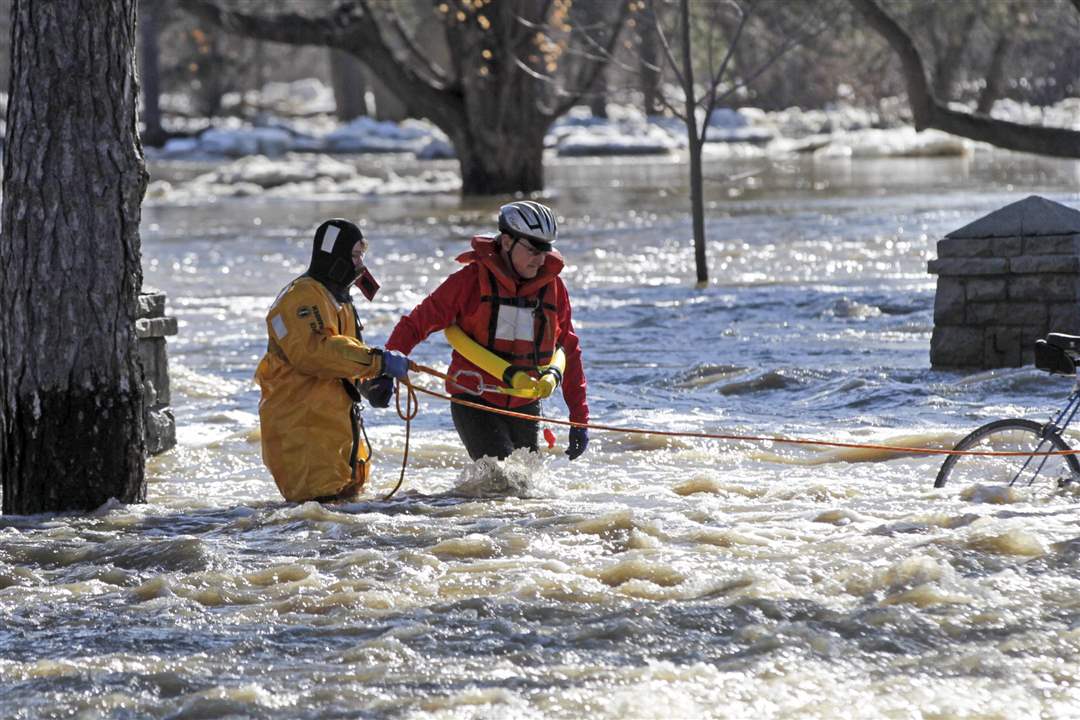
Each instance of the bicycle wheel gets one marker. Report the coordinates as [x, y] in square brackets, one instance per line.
[1010, 435]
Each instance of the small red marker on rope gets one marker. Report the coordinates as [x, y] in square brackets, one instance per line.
[550, 437]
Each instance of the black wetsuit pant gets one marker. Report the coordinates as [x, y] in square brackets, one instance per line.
[487, 434]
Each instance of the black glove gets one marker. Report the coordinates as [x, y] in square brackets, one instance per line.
[579, 440]
[378, 391]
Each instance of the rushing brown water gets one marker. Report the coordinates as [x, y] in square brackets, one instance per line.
[653, 578]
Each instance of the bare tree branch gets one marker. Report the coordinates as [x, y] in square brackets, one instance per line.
[715, 79]
[439, 75]
[668, 52]
[593, 69]
[573, 89]
[788, 45]
[676, 112]
[695, 135]
[929, 112]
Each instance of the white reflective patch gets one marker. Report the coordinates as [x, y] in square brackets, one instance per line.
[278, 326]
[514, 323]
[329, 238]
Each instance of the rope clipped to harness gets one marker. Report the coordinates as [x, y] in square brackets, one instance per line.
[412, 407]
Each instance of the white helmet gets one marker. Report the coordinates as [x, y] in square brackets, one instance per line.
[528, 220]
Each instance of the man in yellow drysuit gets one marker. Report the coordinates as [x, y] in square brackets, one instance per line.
[316, 371]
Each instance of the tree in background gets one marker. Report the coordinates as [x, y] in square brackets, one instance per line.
[699, 43]
[71, 397]
[967, 44]
[150, 19]
[215, 64]
[504, 82]
[350, 87]
[648, 67]
[192, 73]
[590, 16]
[1027, 50]
[930, 111]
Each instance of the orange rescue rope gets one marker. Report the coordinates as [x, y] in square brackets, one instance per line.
[412, 407]
[709, 436]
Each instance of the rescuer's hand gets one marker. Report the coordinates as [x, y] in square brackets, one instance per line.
[395, 364]
[378, 391]
[579, 440]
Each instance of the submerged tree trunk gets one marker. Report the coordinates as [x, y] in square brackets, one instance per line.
[695, 144]
[697, 212]
[71, 397]
[498, 165]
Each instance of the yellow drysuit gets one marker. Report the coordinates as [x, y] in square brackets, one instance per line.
[305, 411]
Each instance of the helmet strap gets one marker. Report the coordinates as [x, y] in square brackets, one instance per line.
[509, 257]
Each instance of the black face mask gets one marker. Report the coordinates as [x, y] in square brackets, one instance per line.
[331, 257]
[367, 284]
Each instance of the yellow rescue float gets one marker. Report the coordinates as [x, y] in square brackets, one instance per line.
[521, 383]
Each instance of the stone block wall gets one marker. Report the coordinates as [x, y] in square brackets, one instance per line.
[152, 327]
[997, 295]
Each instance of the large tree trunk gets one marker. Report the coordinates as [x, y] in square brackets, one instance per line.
[350, 89]
[149, 55]
[649, 62]
[213, 83]
[502, 164]
[388, 106]
[598, 97]
[71, 391]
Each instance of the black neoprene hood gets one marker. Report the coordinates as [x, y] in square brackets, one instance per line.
[331, 256]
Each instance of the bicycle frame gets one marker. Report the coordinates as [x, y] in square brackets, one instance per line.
[1056, 425]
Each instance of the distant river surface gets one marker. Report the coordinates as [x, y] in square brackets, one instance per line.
[652, 578]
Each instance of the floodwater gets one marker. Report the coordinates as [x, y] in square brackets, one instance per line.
[652, 578]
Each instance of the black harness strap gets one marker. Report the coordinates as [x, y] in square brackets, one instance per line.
[493, 319]
[512, 357]
[519, 301]
[540, 325]
[355, 417]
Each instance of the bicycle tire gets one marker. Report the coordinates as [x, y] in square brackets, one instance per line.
[1008, 434]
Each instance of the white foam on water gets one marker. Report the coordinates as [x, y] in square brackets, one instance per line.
[516, 476]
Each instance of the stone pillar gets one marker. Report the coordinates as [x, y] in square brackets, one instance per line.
[1004, 281]
[151, 327]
